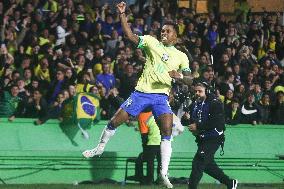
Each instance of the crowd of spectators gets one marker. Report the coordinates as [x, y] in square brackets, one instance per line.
[53, 49]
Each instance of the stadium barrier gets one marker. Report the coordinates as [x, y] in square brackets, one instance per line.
[51, 153]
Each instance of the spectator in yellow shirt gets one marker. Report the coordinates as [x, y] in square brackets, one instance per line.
[41, 70]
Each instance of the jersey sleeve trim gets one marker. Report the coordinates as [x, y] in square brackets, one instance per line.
[140, 43]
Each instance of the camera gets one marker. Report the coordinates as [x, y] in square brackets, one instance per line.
[182, 97]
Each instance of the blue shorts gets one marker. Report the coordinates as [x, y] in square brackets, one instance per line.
[139, 101]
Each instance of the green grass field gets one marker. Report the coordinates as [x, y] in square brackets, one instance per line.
[132, 186]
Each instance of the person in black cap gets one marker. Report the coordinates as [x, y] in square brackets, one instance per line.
[207, 123]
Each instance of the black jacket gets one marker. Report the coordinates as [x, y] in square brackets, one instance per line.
[209, 117]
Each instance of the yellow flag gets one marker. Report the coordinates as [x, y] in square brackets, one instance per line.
[87, 106]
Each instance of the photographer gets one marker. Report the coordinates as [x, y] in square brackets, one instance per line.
[207, 123]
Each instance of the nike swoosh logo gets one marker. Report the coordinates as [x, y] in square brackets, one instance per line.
[246, 112]
[219, 133]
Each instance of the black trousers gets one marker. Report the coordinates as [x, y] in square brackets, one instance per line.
[149, 154]
[203, 161]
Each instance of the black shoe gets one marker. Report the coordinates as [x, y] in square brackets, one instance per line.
[233, 184]
[133, 178]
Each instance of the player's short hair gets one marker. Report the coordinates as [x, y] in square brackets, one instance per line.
[174, 25]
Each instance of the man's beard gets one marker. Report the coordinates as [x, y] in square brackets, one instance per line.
[200, 98]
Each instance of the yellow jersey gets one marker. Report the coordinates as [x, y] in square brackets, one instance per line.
[160, 59]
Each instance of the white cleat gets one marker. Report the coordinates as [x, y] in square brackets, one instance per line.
[166, 180]
[97, 151]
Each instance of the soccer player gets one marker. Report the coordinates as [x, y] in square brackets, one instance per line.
[163, 61]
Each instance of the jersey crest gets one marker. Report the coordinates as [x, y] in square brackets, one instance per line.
[165, 57]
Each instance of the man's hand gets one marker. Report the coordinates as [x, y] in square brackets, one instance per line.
[11, 118]
[175, 75]
[121, 7]
[38, 107]
[193, 127]
[5, 20]
[38, 122]
[186, 115]
[113, 92]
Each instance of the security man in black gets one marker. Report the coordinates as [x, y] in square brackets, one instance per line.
[207, 123]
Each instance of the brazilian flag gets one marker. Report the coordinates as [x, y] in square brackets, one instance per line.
[81, 110]
[86, 108]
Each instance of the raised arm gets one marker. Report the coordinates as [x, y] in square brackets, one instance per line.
[126, 29]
